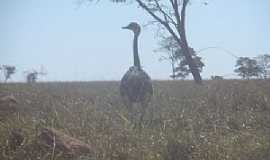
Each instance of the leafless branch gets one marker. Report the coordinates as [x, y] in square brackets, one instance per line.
[182, 22]
[164, 23]
[167, 17]
[176, 13]
[150, 23]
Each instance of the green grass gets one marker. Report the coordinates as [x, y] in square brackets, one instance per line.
[226, 119]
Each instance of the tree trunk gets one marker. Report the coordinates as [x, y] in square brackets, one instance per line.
[193, 68]
[184, 45]
[173, 67]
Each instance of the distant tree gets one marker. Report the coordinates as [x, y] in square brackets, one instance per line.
[169, 46]
[217, 77]
[8, 71]
[247, 67]
[170, 16]
[1, 69]
[175, 55]
[264, 63]
[32, 76]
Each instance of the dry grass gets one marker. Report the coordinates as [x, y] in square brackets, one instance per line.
[220, 120]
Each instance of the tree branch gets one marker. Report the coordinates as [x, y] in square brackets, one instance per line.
[176, 14]
[167, 17]
[182, 31]
[172, 2]
[164, 23]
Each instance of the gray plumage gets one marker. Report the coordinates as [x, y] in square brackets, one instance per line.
[136, 85]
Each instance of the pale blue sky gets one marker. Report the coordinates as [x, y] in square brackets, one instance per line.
[87, 43]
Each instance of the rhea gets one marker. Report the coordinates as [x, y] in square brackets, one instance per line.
[136, 85]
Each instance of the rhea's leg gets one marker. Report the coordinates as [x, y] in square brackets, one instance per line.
[134, 114]
[130, 109]
[141, 115]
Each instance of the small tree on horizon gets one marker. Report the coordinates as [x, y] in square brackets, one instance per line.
[8, 71]
[169, 46]
[33, 75]
[247, 68]
[264, 63]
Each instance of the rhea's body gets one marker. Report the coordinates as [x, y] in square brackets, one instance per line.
[136, 86]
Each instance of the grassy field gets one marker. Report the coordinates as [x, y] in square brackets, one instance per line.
[220, 120]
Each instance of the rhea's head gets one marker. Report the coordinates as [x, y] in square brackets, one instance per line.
[135, 27]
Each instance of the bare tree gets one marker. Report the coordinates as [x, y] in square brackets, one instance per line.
[170, 15]
[8, 71]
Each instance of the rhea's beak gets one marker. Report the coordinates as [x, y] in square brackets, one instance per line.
[126, 27]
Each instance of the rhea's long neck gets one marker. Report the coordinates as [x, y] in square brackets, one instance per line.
[135, 51]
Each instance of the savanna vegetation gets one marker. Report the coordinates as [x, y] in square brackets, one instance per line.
[221, 119]
[214, 119]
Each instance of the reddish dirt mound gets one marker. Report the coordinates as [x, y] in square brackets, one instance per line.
[8, 105]
[63, 142]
